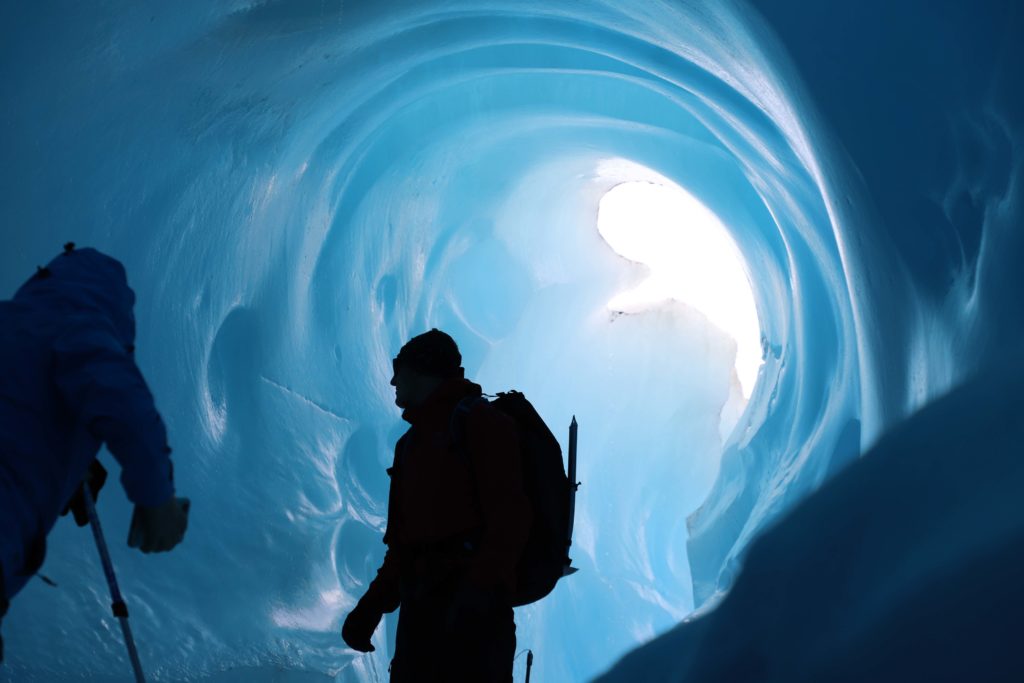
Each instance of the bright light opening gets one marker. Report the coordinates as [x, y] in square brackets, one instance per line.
[692, 259]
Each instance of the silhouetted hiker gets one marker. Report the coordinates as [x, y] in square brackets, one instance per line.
[458, 520]
[69, 383]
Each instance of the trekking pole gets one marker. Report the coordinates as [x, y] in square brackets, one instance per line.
[529, 664]
[118, 607]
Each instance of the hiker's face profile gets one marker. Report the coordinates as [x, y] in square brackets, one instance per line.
[411, 388]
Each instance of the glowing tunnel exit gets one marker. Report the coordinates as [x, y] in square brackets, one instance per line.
[692, 259]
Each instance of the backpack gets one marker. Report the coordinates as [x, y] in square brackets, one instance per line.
[552, 495]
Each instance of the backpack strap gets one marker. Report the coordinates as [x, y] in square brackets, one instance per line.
[457, 429]
[457, 425]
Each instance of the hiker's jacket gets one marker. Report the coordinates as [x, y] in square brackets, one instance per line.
[68, 383]
[442, 491]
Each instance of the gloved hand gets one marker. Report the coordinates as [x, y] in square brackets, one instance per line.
[158, 529]
[94, 479]
[359, 626]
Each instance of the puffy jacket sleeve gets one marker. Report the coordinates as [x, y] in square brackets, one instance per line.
[384, 594]
[98, 380]
[493, 444]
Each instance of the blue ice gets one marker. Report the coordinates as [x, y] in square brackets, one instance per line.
[297, 187]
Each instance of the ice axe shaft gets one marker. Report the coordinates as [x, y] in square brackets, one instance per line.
[573, 484]
[117, 606]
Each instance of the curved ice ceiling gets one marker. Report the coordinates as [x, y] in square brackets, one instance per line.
[296, 187]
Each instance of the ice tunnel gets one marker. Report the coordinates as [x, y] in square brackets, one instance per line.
[298, 186]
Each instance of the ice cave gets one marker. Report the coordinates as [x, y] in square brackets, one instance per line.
[802, 465]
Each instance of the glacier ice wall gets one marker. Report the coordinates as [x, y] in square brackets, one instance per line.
[900, 567]
[296, 187]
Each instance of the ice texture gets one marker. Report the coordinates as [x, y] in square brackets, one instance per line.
[903, 568]
[296, 187]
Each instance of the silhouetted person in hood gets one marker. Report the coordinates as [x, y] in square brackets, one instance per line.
[458, 520]
[68, 384]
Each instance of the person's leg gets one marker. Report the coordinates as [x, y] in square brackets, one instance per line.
[484, 644]
[402, 669]
[419, 648]
[4, 604]
[500, 646]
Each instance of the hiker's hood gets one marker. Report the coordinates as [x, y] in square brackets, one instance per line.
[84, 279]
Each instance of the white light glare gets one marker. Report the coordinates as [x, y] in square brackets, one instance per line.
[692, 259]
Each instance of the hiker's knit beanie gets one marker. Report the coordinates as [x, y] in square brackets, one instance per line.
[432, 353]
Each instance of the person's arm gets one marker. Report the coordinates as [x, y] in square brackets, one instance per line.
[99, 382]
[492, 441]
[383, 592]
[383, 595]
